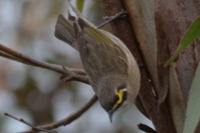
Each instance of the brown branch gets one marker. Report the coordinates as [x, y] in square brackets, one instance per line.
[27, 123]
[3, 54]
[65, 121]
[75, 74]
[72, 117]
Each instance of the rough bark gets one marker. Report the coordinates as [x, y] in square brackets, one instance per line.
[152, 31]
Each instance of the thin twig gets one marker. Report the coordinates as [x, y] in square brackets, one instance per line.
[72, 117]
[3, 54]
[68, 119]
[76, 74]
[31, 61]
[28, 124]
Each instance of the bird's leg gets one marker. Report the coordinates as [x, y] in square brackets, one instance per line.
[109, 19]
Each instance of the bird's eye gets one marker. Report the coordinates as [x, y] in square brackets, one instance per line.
[116, 98]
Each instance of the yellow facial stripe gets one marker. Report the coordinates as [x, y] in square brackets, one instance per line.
[120, 93]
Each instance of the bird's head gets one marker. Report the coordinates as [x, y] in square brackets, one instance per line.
[112, 99]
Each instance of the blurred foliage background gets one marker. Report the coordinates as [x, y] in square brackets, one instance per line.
[38, 95]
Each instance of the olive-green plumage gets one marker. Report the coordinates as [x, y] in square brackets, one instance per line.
[107, 61]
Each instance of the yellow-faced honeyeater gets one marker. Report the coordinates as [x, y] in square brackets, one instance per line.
[113, 72]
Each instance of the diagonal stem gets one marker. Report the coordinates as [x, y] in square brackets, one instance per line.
[76, 74]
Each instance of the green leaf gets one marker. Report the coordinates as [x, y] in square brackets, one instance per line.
[189, 37]
[193, 105]
[79, 5]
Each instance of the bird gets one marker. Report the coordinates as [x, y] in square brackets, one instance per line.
[112, 69]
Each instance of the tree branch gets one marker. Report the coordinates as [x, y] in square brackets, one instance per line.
[64, 122]
[72, 117]
[73, 73]
[28, 124]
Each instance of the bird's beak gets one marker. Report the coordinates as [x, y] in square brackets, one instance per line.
[110, 113]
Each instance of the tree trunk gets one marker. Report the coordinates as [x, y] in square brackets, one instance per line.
[152, 32]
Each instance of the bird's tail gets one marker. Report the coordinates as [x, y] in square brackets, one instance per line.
[68, 30]
[65, 31]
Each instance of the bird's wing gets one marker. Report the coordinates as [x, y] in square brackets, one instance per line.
[101, 56]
